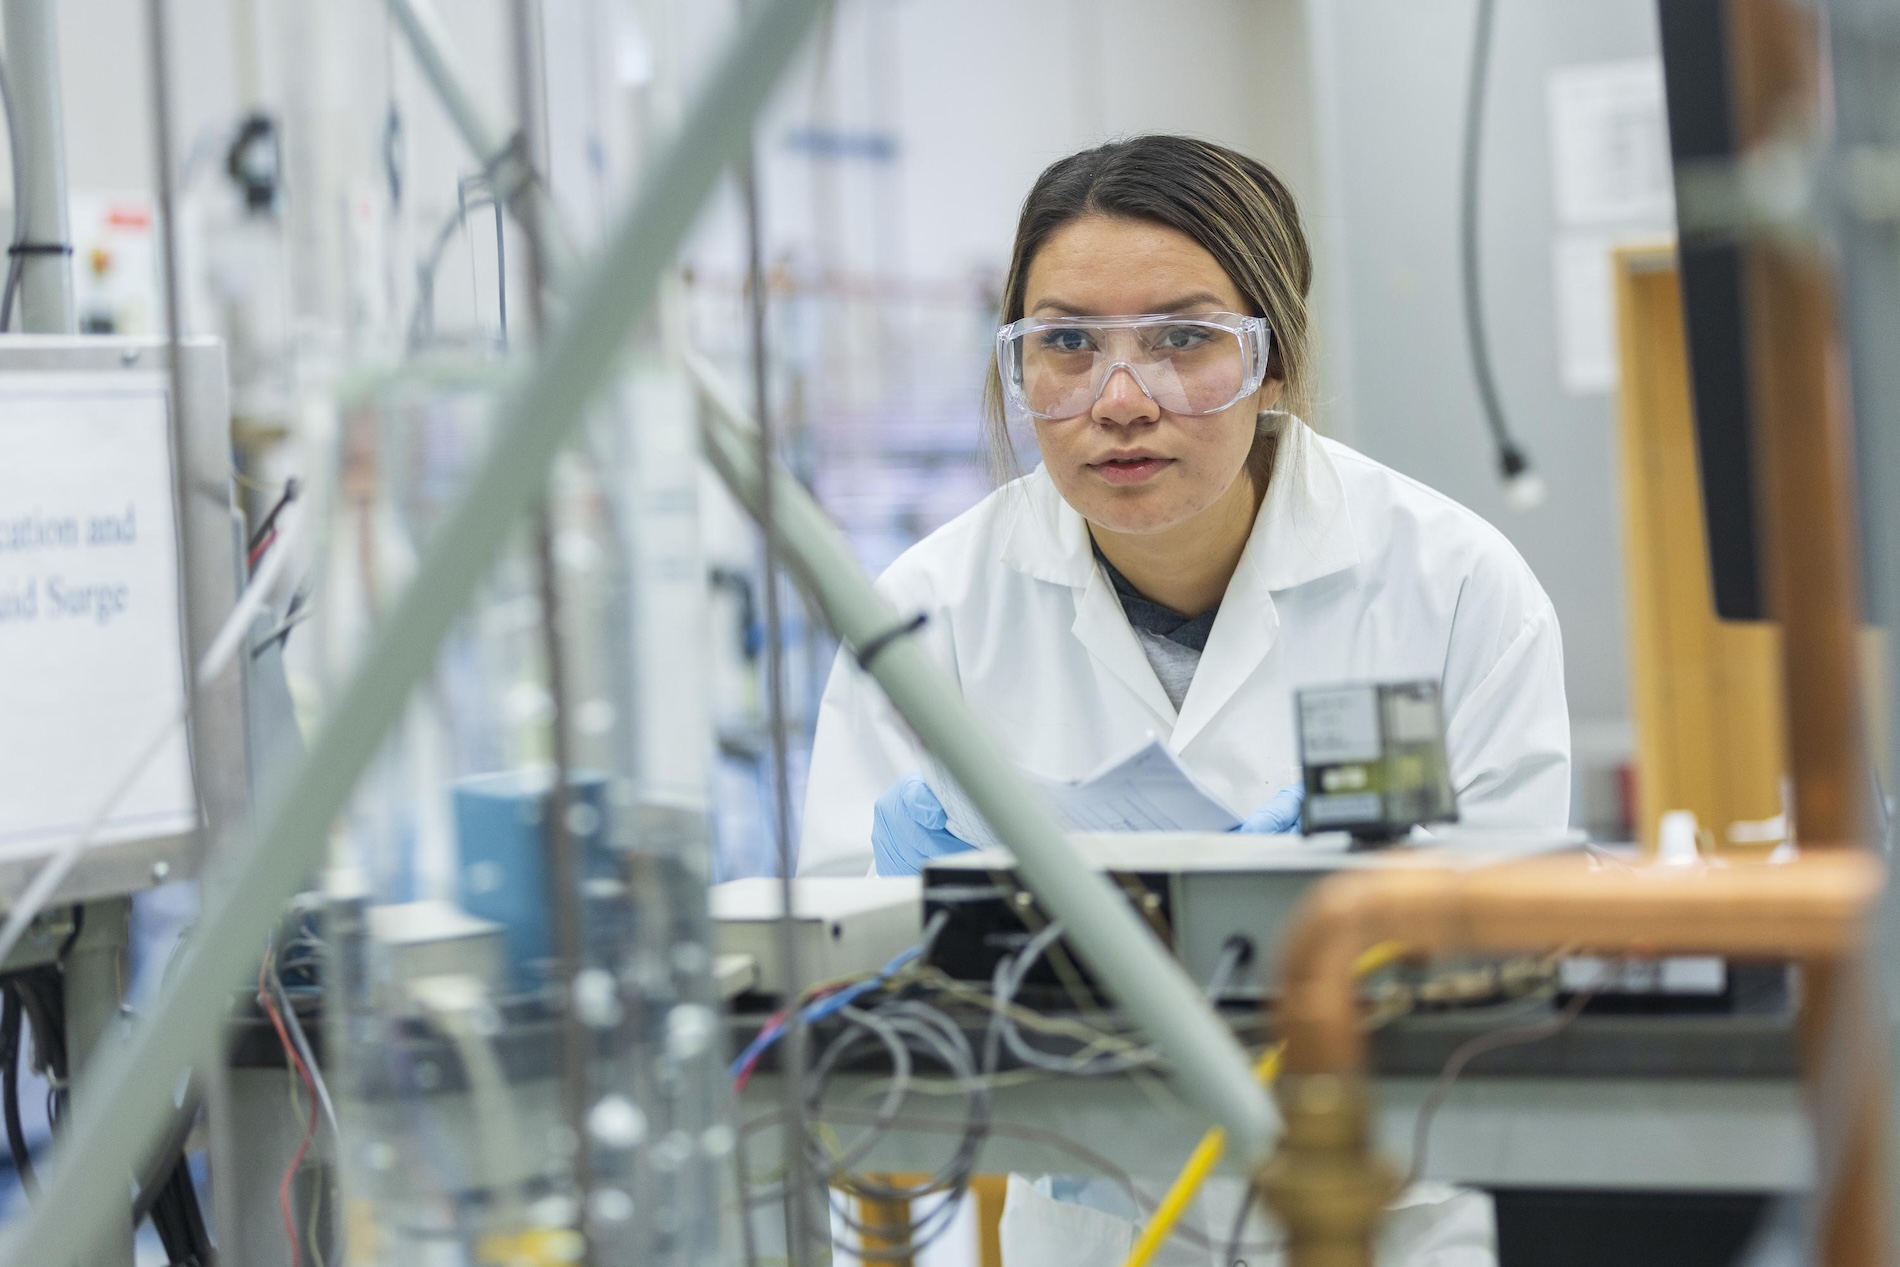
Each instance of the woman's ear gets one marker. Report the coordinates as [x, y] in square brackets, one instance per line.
[1269, 395]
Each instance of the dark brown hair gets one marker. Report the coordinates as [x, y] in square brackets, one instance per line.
[1232, 206]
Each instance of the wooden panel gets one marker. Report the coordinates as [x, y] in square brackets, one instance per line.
[1707, 692]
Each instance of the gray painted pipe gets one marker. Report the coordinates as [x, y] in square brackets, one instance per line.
[45, 300]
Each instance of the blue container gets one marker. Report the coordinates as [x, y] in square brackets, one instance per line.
[500, 835]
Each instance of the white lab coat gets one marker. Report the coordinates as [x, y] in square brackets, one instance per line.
[1352, 573]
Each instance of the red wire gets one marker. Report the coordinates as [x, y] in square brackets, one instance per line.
[773, 1025]
[310, 1128]
[257, 551]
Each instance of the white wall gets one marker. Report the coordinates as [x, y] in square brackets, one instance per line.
[981, 95]
[1390, 79]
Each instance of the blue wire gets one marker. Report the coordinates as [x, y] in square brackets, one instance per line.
[818, 1011]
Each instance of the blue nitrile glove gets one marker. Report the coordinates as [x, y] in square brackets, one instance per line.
[1280, 814]
[909, 827]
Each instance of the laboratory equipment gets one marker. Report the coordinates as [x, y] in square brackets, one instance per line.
[845, 925]
[1220, 902]
[90, 595]
[1374, 759]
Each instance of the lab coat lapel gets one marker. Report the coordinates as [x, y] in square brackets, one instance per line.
[1048, 540]
[1243, 633]
[1102, 627]
[1303, 532]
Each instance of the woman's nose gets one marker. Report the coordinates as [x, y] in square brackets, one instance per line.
[1123, 399]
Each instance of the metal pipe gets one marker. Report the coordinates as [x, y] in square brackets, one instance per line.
[1210, 1067]
[1816, 910]
[799, 1215]
[1804, 476]
[1810, 555]
[45, 296]
[193, 610]
[133, 1083]
[1865, 58]
[562, 849]
[93, 982]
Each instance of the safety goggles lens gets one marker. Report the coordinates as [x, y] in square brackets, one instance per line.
[1058, 368]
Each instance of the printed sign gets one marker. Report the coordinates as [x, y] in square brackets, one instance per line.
[91, 655]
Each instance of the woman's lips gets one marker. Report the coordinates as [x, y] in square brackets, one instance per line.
[1130, 470]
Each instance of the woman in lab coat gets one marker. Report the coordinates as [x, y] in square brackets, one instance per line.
[1189, 553]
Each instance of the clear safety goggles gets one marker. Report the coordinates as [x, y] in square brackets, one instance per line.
[1057, 367]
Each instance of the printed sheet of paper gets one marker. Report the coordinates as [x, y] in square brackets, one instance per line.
[1609, 143]
[89, 623]
[1147, 790]
[1611, 186]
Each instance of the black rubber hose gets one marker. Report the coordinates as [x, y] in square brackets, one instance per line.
[10, 1018]
[1512, 461]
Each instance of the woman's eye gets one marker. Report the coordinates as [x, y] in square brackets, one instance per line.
[1180, 338]
[1066, 340]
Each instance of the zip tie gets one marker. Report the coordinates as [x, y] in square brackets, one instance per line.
[40, 248]
[875, 646]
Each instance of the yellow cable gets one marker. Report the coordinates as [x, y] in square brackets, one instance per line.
[1373, 958]
[1200, 1164]
[1207, 1154]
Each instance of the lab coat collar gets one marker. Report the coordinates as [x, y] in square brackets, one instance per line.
[1304, 531]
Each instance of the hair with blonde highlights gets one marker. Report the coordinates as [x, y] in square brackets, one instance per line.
[1232, 206]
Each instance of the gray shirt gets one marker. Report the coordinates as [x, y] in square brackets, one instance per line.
[1172, 642]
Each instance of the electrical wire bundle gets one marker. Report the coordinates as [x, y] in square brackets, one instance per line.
[889, 1008]
[274, 1000]
[264, 536]
[1096, 1057]
[37, 997]
[902, 1026]
[908, 1029]
[826, 1000]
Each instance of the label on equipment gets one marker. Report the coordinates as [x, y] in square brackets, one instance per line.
[1344, 810]
[1411, 716]
[89, 617]
[1339, 725]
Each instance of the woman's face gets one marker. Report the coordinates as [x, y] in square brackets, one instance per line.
[1127, 465]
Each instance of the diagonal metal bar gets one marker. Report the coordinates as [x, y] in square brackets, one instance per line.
[133, 1084]
[1209, 1065]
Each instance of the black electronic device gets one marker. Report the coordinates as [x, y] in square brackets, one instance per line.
[993, 915]
[1374, 759]
[1702, 130]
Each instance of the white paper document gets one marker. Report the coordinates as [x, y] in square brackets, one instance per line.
[1147, 790]
[1609, 143]
[90, 638]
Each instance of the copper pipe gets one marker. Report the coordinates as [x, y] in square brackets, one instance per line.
[1815, 911]
[1803, 462]
[1803, 450]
